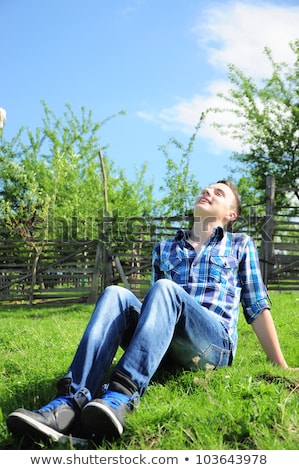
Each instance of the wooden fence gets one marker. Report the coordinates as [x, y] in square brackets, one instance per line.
[70, 270]
[279, 253]
[77, 270]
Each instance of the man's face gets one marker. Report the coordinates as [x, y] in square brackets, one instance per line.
[217, 203]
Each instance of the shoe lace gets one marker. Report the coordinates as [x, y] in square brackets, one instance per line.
[56, 403]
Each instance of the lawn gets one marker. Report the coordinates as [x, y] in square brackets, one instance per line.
[251, 405]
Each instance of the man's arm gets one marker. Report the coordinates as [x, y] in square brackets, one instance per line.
[156, 271]
[265, 330]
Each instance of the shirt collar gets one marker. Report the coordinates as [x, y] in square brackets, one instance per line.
[182, 234]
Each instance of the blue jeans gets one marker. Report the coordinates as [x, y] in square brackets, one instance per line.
[168, 321]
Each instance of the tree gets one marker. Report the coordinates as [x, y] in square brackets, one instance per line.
[55, 173]
[181, 186]
[266, 126]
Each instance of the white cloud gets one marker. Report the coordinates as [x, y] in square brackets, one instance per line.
[232, 33]
[238, 33]
[186, 114]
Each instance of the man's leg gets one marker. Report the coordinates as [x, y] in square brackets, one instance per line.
[112, 324]
[170, 320]
[113, 321]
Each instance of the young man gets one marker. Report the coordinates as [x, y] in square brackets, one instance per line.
[189, 315]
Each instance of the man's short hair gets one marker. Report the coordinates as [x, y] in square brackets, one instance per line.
[235, 193]
[238, 206]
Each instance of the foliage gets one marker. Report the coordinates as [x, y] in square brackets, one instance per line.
[266, 124]
[252, 405]
[181, 187]
[51, 177]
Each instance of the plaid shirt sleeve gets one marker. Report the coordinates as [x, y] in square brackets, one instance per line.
[156, 272]
[254, 296]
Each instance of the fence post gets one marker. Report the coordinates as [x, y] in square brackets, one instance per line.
[94, 290]
[267, 232]
[107, 267]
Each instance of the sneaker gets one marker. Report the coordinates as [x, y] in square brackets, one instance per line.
[57, 421]
[105, 417]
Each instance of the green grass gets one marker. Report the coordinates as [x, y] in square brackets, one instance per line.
[251, 405]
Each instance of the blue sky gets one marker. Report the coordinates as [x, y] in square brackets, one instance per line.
[162, 61]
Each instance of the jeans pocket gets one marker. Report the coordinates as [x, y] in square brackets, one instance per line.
[212, 358]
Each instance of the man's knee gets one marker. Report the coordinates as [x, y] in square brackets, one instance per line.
[165, 284]
[113, 290]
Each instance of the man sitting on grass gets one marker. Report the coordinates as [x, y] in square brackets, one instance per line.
[189, 315]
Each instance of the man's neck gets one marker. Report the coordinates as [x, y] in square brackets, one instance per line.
[201, 232]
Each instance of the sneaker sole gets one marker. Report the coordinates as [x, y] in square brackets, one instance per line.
[23, 425]
[99, 421]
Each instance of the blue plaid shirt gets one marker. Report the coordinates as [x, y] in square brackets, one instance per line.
[222, 274]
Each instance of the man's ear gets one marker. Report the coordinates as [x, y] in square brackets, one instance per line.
[231, 216]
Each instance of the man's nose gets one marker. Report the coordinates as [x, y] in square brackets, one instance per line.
[206, 192]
